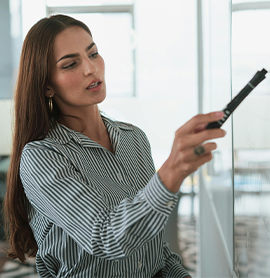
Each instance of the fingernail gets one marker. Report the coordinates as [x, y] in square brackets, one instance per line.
[219, 114]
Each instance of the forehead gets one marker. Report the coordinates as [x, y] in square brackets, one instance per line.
[72, 40]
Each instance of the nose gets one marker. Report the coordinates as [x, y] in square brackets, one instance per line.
[89, 67]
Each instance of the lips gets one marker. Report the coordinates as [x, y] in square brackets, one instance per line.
[94, 84]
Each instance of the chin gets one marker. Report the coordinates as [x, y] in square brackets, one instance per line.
[101, 97]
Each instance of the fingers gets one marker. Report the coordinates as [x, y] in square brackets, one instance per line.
[196, 139]
[203, 159]
[190, 155]
[192, 161]
[199, 122]
[200, 127]
[205, 135]
[199, 150]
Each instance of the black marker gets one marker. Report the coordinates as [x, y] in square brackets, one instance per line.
[258, 77]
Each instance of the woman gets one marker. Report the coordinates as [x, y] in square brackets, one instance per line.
[82, 193]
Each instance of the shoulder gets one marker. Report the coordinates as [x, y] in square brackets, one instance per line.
[36, 152]
[53, 143]
[39, 156]
[37, 145]
[57, 137]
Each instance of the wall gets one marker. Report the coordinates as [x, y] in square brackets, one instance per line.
[5, 127]
[6, 69]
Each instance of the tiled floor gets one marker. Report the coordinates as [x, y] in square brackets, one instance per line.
[188, 238]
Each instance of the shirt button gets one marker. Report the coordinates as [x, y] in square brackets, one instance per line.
[170, 204]
[139, 265]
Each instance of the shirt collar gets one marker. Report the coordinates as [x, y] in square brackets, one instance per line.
[64, 135]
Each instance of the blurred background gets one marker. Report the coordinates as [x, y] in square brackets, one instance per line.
[165, 62]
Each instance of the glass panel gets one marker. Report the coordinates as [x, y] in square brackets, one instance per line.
[252, 145]
[217, 94]
[250, 48]
[114, 36]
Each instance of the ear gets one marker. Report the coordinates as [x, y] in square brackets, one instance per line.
[49, 92]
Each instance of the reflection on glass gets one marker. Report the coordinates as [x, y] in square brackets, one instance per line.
[252, 211]
[252, 147]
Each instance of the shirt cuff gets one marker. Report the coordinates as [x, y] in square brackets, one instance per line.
[159, 197]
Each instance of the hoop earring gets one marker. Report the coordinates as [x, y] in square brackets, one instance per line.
[50, 104]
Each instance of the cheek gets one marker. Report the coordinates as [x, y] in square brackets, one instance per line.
[102, 66]
[65, 81]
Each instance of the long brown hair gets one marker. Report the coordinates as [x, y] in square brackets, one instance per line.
[32, 121]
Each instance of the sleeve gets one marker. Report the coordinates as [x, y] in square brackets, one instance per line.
[173, 264]
[57, 190]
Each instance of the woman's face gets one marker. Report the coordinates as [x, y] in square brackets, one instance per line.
[77, 74]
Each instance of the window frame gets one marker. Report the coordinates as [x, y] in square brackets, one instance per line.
[245, 6]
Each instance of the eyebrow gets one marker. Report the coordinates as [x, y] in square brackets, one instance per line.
[76, 54]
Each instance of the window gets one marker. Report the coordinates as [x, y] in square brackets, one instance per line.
[250, 53]
[112, 28]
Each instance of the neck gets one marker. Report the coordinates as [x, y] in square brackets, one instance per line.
[89, 123]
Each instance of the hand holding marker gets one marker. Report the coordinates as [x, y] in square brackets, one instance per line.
[258, 77]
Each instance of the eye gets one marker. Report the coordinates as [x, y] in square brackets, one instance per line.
[94, 55]
[70, 66]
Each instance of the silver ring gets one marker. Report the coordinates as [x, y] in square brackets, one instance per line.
[199, 150]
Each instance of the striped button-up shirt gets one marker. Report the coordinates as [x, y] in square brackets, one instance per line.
[95, 213]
